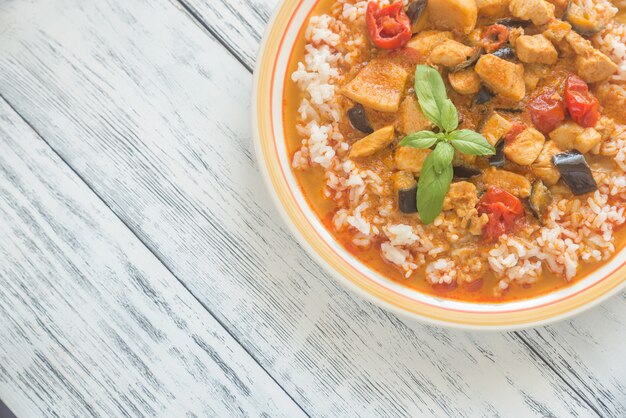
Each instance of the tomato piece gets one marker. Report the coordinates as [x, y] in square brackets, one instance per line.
[498, 195]
[494, 37]
[547, 111]
[388, 27]
[496, 226]
[516, 129]
[504, 211]
[583, 107]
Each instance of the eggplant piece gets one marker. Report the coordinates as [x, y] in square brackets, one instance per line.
[506, 53]
[468, 62]
[513, 23]
[498, 159]
[584, 20]
[407, 200]
[465, 172]
[406, 188]
[575, 172]
[416, 9]
[483, 95]
[358, 119]
[540, 199]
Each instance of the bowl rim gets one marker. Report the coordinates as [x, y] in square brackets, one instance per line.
[265, 139]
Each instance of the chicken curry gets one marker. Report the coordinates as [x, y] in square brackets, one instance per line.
[472, 149]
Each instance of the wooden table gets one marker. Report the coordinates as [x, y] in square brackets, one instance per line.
[144, 271]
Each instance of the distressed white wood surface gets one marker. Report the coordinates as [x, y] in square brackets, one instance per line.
[582, 351]
[153, 114]
[92, 324]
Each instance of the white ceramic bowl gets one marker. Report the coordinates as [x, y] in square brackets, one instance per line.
[274, 162]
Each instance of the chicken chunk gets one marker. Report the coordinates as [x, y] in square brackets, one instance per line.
[536, 49]
[587, 140]
[591, 65]
[458, 15]
[477, 222]
[495, 127]
[492, 8]
[579, 45]
[515, 184]
[531, 80]
[605, 126]
[595, 66]
[463, 159]
[461, 197]
[543, 167]
[465, 82]
[424, 42]
[410, 159]
[379, 85]
[411, 119]
[374, 142]
[570, 135]
[538, 11]
[612, 97]
[450, 53]
[526, 146]
[560, 5]
[514, 34]
[502, 77]
[557, 30]
[533, 73]
[565, 135]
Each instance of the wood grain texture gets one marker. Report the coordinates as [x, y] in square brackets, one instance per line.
[225, 19]
[582, 351]
[92, 324]
[588, 352]
[236, 24]
[153, 113]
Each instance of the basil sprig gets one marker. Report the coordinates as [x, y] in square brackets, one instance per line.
[434, 181]
[437, 172]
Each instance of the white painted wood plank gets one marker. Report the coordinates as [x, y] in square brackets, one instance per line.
[582, 350]
[92, 324]
[153, 114]
[237, 24]
[588, 352]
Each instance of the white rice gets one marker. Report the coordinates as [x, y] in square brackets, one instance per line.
[400, 234]
[441, 271]
[398, 256]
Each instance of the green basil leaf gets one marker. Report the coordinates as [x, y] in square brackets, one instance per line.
[470, 142]
[431, 93]
[444, 153]
[421, 139]
[449, 116]
[433, 186]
